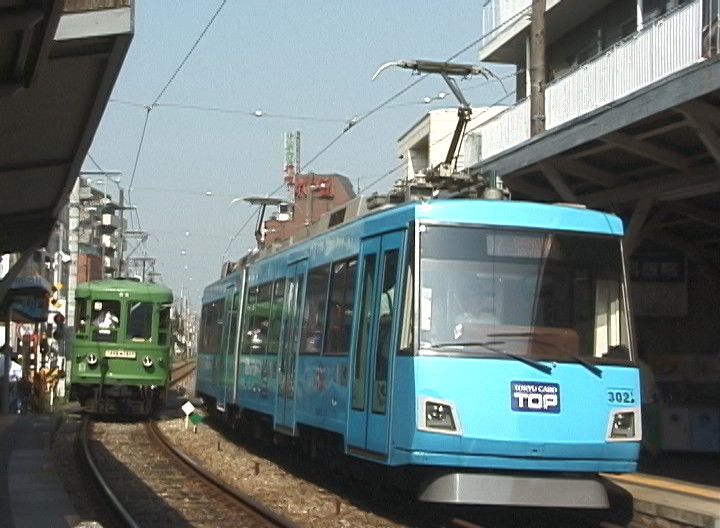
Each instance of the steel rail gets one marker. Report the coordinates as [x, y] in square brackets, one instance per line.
[246, 502]
[97, 476]
[184, 375]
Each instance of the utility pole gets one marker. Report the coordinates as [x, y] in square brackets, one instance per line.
[122, 230]
[537, 67]
[310, 191]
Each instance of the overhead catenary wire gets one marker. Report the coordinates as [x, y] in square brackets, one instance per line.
[149, 108]
[354, 122]
[137, 155]
[190, 52]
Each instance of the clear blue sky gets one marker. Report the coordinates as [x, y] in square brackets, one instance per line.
[309, 58]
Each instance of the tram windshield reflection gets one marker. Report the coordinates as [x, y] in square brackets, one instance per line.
[550, 295]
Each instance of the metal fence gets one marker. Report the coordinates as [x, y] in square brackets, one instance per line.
[661, 48]
[507, 130]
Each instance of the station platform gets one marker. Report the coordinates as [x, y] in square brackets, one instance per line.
[31, 493]
[669, 491]
[675, 490]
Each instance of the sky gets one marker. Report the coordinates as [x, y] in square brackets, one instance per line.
[306, 66]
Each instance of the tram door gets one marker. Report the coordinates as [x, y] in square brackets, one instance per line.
[229, 345]
[369, 417]
[289, 345]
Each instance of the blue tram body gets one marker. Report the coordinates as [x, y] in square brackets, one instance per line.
[487, 342]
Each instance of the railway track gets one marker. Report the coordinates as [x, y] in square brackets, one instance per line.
[181, 372]
[150, 484]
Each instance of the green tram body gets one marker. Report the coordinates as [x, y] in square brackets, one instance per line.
[121, 346]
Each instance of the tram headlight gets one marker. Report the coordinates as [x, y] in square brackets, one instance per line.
[438, 416]
[624, 425]
[147, 362]
[91, 359]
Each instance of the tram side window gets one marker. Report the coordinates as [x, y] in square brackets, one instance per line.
[387, 312]
[139, 327]
[315, 309]
[262, 317]
[81, 319]
[340, 308]
[105, 321]
[276, 312]
[257, 314]
[212, 315]
[164, 325]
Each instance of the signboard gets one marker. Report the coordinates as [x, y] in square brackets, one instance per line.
[30, 306]
[531, 396]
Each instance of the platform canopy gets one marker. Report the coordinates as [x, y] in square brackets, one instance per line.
[58, 63]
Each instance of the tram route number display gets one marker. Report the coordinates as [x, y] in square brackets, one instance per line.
[531, 396]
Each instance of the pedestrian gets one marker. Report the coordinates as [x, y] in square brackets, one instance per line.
[14, 377]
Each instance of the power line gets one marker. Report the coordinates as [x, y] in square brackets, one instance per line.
[137, 156]
[237, 234]
[352, 123]
[150, 107]
[258, 114]
[388, 173]
[95, 162]
[192, 48]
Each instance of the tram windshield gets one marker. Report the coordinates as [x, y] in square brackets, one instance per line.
[488, 291]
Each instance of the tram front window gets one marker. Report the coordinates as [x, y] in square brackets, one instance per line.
[105, 321]
[532, 293]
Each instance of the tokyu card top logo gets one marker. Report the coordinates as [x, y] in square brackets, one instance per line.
[530, 396]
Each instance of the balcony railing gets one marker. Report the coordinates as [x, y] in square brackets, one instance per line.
[499, 12]
[661, 48]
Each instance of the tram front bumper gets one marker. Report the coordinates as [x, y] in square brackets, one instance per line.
[517, 490]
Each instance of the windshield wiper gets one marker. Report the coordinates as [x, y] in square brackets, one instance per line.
[488, 345]
[534, 337]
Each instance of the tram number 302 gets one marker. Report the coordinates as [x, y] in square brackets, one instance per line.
[621, 396]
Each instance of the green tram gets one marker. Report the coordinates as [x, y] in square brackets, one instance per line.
[121, 346]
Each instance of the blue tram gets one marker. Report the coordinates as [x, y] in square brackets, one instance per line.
[485, 345]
